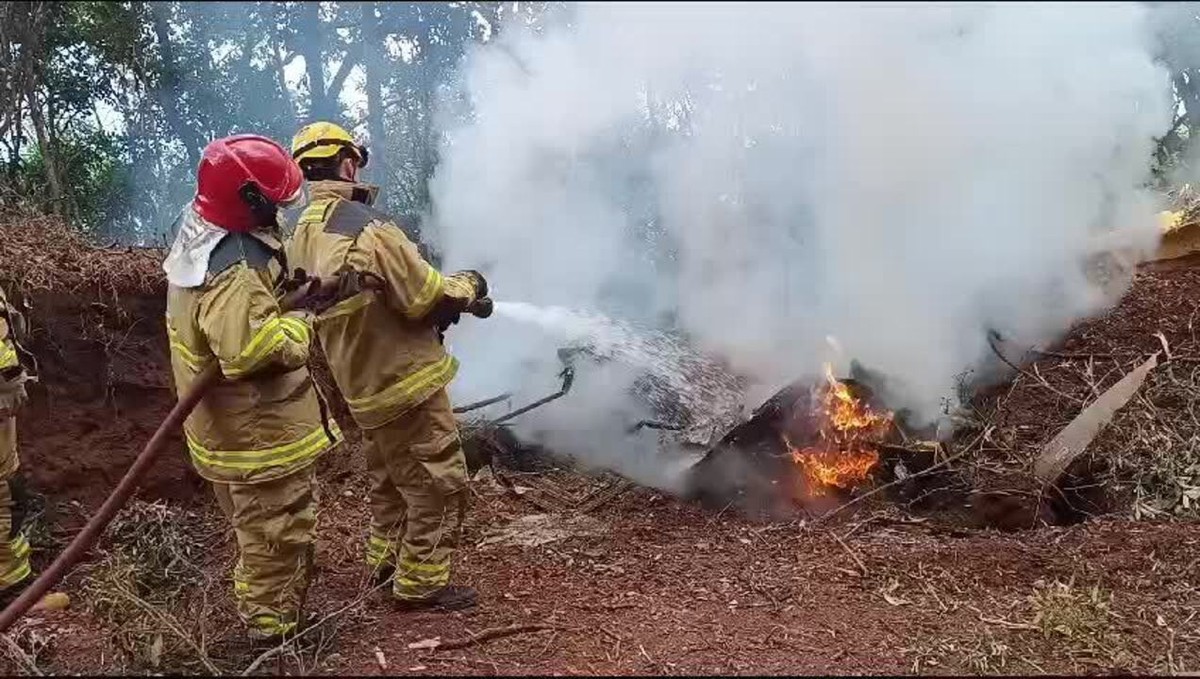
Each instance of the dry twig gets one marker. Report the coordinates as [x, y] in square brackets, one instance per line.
[21, 656]
[490, 634]
[861, 565]
[1036, 378]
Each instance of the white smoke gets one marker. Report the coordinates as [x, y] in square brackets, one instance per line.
[901, 177]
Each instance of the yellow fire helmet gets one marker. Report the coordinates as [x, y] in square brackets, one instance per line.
[324, 140]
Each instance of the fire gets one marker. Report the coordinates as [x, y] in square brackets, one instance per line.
[845, 454]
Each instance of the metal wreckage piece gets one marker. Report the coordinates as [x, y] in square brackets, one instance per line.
[487, 441]
[491, 443]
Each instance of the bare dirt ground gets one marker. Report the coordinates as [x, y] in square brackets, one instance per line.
[645, 584]
[664, 588]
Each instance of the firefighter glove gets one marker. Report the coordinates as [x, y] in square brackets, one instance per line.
[446, 314]
[481, 284]
[12, 390]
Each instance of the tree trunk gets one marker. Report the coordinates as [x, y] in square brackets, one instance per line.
[373, 63]
[309, 45]
[167, 91]
[18, 138]
[428, 151]
[46, 147]
[35, 48]
[277, 50]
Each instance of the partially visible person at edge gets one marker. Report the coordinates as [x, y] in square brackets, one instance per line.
[256, 434]
[385, 352]
[14, 545]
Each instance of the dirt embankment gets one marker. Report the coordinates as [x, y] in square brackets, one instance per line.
[97, 332]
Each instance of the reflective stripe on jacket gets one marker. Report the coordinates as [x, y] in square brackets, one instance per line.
[264, 420]
[383, 351]
[10, 461]
[8, 351]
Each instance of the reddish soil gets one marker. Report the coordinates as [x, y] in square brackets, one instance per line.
[671, 589]
[1166, 302]
[663, 587]
[104, 389]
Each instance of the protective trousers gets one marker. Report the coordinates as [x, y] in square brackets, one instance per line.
[14, 546]
[418, 497]
[275, 523]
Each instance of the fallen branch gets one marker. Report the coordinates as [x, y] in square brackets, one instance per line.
[171, 624]
[21, 656]
[486, 635]
[1083, 356]
[858, 561]
[991, 339]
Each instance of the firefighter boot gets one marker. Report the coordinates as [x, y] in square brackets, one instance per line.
[449, 598]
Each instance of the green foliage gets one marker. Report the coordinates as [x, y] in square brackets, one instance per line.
[130, 92]
[95, 171]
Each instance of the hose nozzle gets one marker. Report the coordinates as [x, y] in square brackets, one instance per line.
[482, 307]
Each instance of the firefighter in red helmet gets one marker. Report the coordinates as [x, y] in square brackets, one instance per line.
[257, 433]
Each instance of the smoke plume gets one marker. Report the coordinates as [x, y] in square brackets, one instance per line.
[760, 177]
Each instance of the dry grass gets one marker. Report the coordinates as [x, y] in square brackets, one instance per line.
[1081, 621]
[1154, 445]
[145, 587]
[46, 254]
[1069, 612]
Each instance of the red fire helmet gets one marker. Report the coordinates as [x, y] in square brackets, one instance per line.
[228, 165]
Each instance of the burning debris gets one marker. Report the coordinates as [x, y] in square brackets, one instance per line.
[848, 430]
[816, 445]
[809, 443]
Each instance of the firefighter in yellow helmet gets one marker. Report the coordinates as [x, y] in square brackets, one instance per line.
[14, 545]
[256, 434]
[385, 352]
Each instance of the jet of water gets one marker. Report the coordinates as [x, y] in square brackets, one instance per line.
[681, 380]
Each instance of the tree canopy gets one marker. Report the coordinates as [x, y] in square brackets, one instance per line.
[105, 106]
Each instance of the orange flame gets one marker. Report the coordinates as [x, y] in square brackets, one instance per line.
[849, 427]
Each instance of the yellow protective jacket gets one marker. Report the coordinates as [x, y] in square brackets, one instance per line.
[9, 460]
[264, 420]
[8, 350]
[383, 350]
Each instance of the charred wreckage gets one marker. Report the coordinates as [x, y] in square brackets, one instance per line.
[808, 447]
[812, 449]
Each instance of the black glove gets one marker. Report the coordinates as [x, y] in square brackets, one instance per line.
[445, 314]
[482, 307]
[349, 282]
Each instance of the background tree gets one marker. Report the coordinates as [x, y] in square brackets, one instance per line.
[105, 106]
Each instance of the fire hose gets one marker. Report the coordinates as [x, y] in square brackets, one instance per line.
[304, 288]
